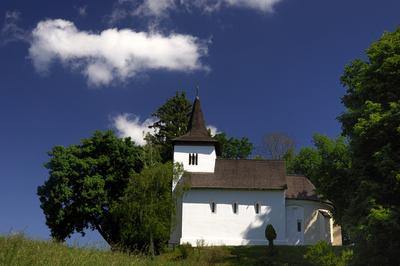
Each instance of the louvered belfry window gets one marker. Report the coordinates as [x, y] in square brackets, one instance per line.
[193, 158]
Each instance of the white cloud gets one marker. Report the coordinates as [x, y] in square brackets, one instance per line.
[262, 5]
[213, 130]
[113, 54]
[129, 125]
[10, 31]
[157, 8]
[149, 8]
[162, 8]
[215, 5]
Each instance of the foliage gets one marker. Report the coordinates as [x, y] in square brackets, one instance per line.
[328, 166]
[85, 182]
[270, 234]
[146, 210]
[172, 120]
[185, 250]
[234, 148]
[277, 145]
[371, 122]
[322, 254]
[150, 155]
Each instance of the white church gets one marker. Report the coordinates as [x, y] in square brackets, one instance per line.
[230, 202]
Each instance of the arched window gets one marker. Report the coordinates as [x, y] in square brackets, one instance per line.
[257, 207]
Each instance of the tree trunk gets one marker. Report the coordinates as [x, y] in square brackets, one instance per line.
[152, 253]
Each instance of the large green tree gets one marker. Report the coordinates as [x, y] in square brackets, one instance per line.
[84, 184]
[371, 121]
[328, 166]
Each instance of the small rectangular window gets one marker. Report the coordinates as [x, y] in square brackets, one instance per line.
[257, 208]
[298, 225]
[193, 158]
[213, 207]
[235, 207]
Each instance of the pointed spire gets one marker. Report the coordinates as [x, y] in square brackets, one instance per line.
[196, 124]
[197, 131]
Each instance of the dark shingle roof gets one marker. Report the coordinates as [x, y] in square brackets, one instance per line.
[197, 131]
[242, 174]
[300, 187]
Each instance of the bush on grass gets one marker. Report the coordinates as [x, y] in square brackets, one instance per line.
[322, 254]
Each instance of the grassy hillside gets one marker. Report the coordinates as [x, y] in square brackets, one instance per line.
[17, 250]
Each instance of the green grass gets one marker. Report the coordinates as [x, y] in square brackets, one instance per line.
[18, 250]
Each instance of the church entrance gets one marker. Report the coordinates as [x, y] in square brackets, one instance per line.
[295, 225]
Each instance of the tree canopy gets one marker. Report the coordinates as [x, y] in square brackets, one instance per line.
[145, 212]
[172, 121]
[372, 124]
[360, 171]
[110, 185]
[327, 165]
[85, 182]
[234, 148]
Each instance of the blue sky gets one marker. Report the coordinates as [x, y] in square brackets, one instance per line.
[68, 68]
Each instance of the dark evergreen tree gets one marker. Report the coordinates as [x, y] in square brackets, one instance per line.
[172, 120]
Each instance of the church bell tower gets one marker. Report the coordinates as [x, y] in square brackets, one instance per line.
[196, 150]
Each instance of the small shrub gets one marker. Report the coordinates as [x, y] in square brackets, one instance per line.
[185, 250]
[322, 254]
[270, 235]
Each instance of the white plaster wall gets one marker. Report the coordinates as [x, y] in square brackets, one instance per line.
[206, 157]
[315, 228]
[294, 214]
[227, 228]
